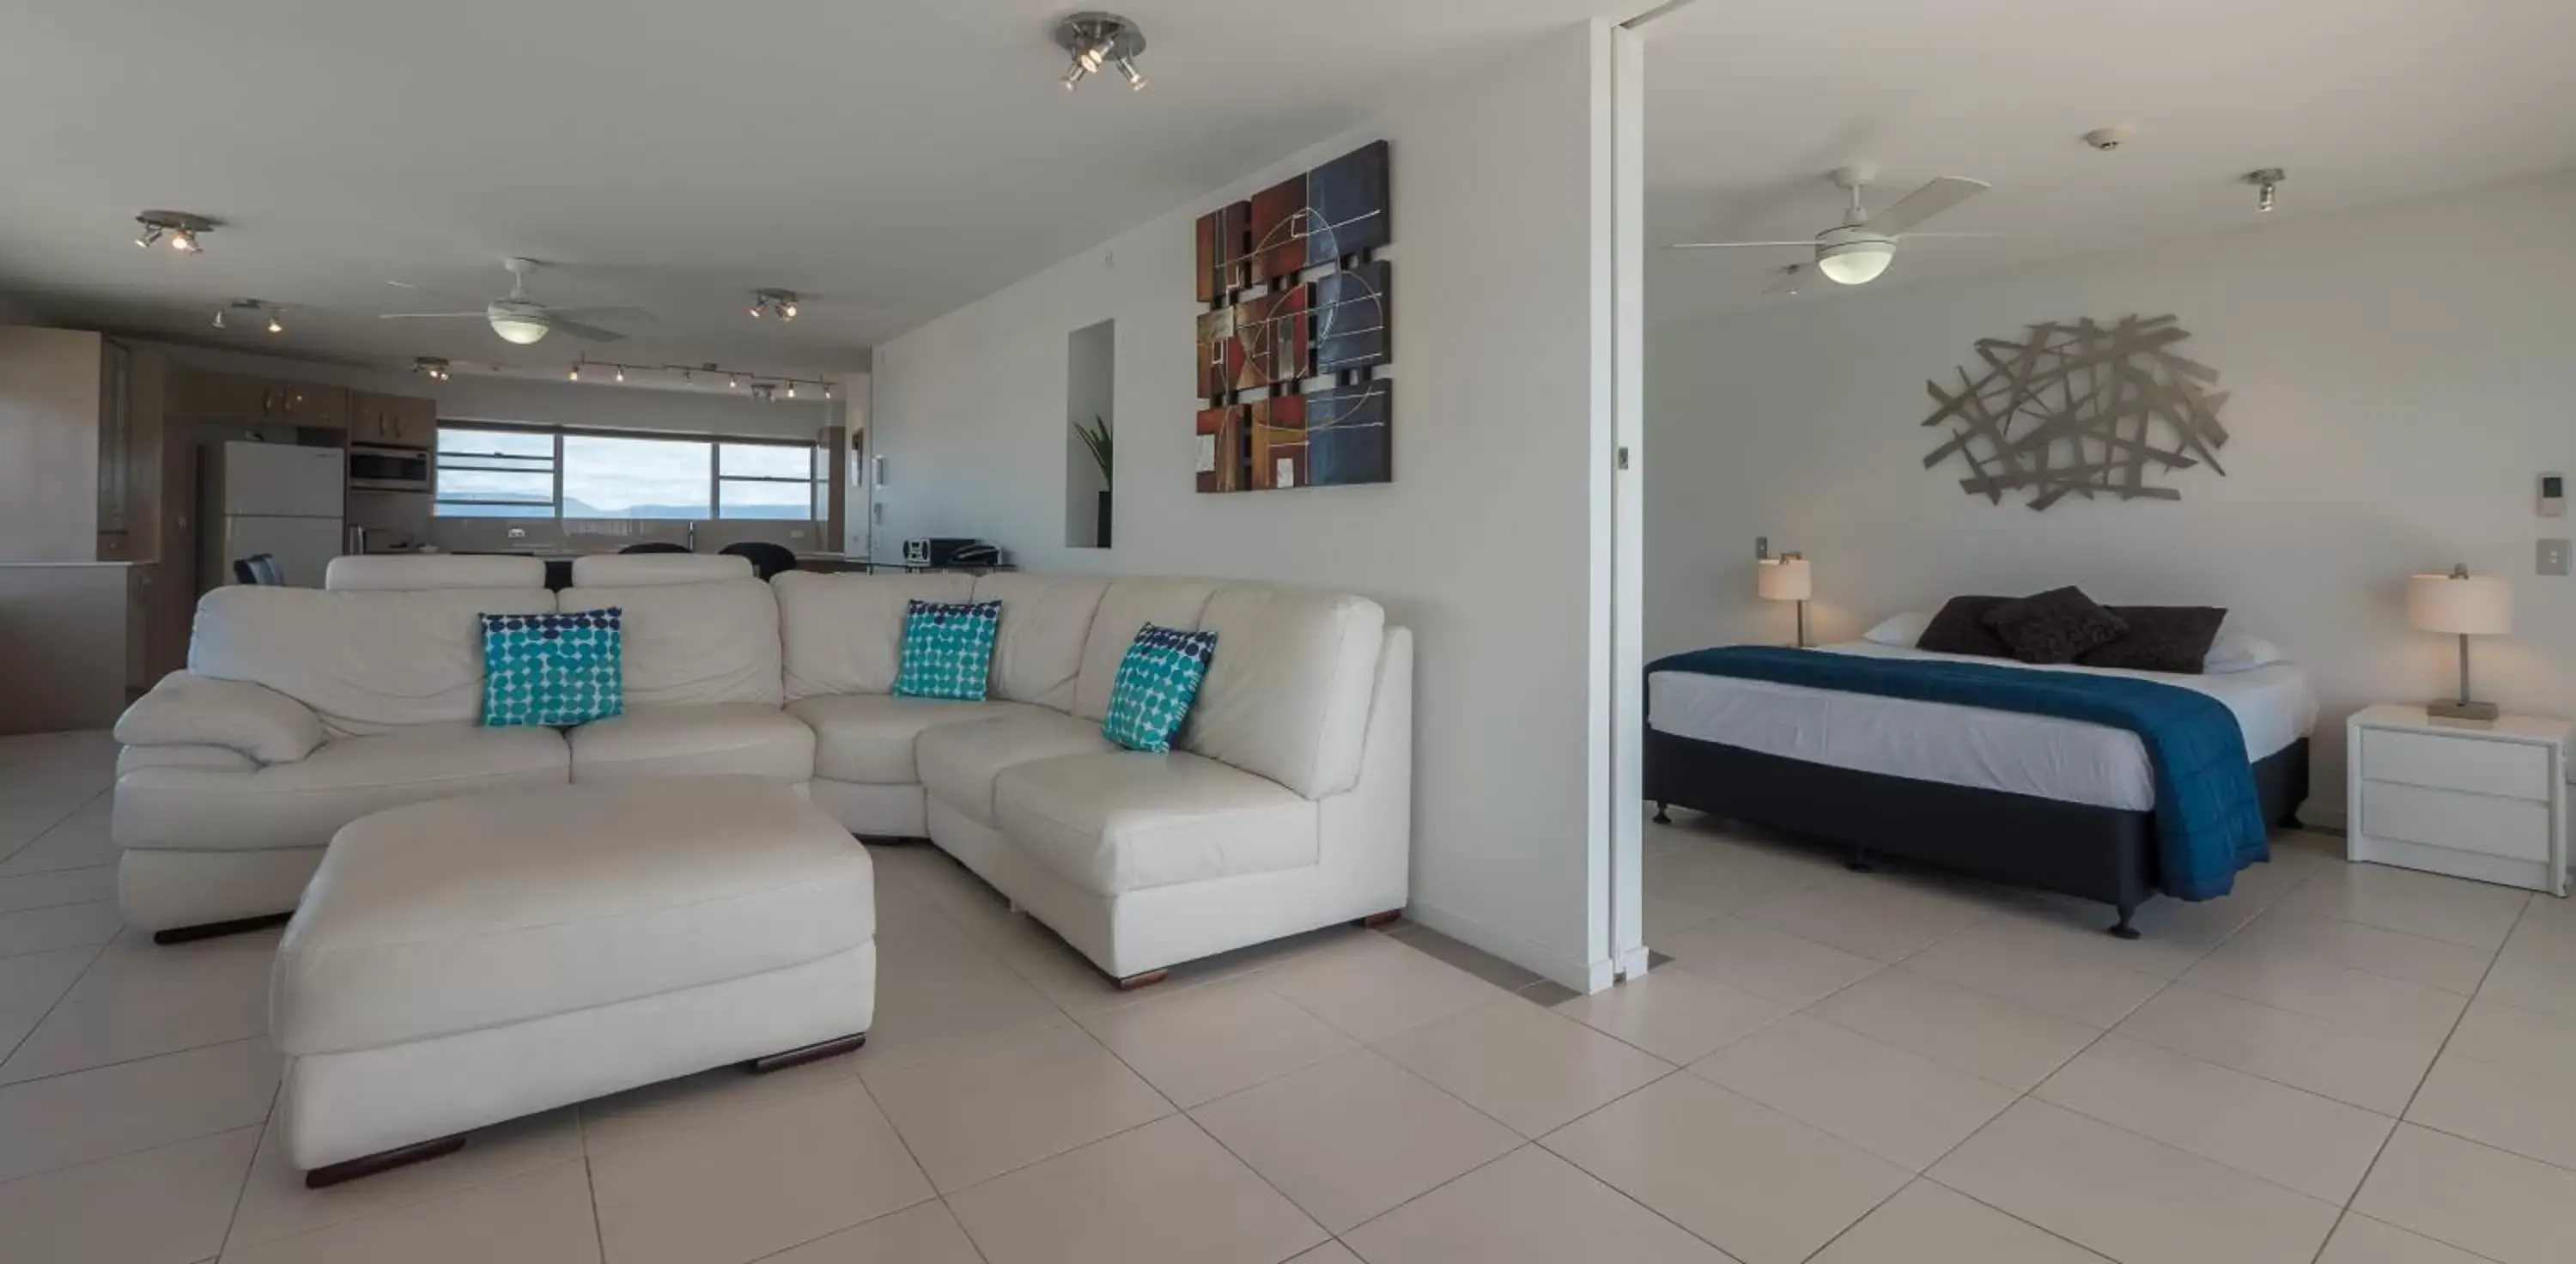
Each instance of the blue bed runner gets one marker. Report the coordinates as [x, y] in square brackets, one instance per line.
[2209, 820]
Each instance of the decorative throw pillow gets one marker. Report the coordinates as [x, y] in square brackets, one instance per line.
[1155, 685]
[558, 669]
[2054, 626]
[2160, 639]
[947, 649]
[1960, 628]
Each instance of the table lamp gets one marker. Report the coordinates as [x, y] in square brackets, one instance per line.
[2467, 605]
[1786, 578]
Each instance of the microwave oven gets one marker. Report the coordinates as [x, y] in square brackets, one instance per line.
[376, 468]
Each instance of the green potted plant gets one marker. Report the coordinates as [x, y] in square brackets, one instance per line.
[1097, 439]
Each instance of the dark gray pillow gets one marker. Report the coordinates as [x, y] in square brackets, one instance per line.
[2054, 626]
[1960, 628]
[2160, 639]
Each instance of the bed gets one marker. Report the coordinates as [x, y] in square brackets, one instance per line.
[2033, 800]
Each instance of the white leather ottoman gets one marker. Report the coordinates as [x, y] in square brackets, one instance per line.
[466, 961]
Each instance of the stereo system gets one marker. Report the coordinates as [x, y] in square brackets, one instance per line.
[950, 551]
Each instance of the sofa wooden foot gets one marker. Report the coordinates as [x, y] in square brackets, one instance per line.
[1145, 980]
[1376, 920]
[382, 1161]
[2122, 929]
[1663, 814]
[210, 930]
[815, 1052]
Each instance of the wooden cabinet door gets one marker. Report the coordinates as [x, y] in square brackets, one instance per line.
[415, 422]
[312, 404]
[371, 417]
[231, 399]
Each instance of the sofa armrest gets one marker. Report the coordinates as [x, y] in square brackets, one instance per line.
[186, 709]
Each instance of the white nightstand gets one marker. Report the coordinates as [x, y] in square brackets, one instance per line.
[2473, 800]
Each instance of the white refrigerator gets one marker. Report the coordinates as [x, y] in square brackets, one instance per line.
[272, 498]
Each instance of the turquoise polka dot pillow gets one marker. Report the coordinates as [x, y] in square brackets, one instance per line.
[558, 669]
[1156, 683]
[947, 649]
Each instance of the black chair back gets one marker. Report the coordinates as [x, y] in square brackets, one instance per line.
[767, 559]
[259, 568]
[655, 546]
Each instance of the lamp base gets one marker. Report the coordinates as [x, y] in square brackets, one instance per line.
[2460, 709]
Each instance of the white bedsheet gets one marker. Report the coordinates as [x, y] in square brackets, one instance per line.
[1967, 746]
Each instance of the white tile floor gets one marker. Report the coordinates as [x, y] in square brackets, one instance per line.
[2336, 1065]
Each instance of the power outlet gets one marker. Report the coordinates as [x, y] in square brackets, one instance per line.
[2552, 557]
[518, 533]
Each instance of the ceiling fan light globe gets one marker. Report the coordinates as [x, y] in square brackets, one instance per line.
[515, 328]
[1855, 262]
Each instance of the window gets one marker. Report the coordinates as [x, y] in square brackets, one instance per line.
[495, 473]
[767, 480]
[492, 472]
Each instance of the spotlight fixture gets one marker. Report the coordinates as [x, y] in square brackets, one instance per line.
[252, 307]
[621, 373]
[275, 326]
[733, 382]
[2266, 181]
[179, 228]
[827, 390]
[791, 390]
[219, 318]
[574, 375]
[1097, 39]
[431, 367]
[783, 302]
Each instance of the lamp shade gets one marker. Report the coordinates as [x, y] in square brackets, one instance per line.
[1784, 579]
[2480, 605]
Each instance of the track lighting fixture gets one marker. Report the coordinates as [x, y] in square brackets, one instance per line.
[274, 325]
[219, 318]
[253, 307]
[2266, 182]
[574, 375]
[763, 391]
[621, 373]
[181, 229]
[1095, 40]
[782, 302]
[791, 390]
[764, 388]
[431, 367]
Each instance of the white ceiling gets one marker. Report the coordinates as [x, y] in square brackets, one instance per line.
[890, 159]
[1750, 102]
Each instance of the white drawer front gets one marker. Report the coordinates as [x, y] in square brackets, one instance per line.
[2475, 765]
[2517, 829]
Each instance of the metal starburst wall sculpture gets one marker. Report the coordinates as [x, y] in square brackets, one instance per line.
[2080, 408]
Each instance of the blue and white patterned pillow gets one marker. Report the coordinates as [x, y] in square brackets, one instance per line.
[1156, 682]
[556, 669]
[947, 649]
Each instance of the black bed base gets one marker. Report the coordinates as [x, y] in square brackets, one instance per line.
[2093, 853]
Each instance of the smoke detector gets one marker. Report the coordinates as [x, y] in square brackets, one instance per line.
[2109, 138]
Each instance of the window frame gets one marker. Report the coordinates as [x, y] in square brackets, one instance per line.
[816, 481]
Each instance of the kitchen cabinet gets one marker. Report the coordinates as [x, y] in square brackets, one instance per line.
[401, 421]
[236, 399]
[80, 447]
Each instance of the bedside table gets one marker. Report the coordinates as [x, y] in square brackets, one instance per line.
[2484, 800]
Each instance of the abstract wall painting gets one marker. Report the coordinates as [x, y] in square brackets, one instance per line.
[2080, 408]
[1296, 327]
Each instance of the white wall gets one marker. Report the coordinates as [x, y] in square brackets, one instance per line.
[2400, 376]
[1485, 542]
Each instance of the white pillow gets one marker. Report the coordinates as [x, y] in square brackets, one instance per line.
[1902, 630]
[2236, 652]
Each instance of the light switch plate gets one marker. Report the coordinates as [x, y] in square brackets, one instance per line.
[2553, 556]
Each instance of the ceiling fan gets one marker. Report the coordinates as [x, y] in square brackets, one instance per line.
[1855, 251]
[523, 320]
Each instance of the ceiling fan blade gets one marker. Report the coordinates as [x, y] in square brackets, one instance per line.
[1792, 279]
[428, 315]
[448, 296]
[1912, 236]
[1933, 198]
[596, 313]
[588, 333]
[1723, 245]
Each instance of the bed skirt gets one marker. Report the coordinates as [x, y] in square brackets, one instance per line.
[2077, 849]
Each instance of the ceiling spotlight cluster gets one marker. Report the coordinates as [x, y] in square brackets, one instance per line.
[764, 386]
[2267, 184]
[432, 367]
[181, 229]
[782, 303]
[254, 308]
[1095, 40]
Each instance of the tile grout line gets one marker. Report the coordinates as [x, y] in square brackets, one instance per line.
[21, 1042]
[250, 1170]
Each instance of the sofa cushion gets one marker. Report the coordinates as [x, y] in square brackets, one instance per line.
[868, 738]
[1045, 620]
[467, 913]
[690, 644]
[1125, 609]
[365, 662]
[959, 761]
[750, 738]
[1120, 822]
[844, 633]
[948, 649]
[558, 669]
[187, 710]
[1288, 695]
[301, 804]
[418, 572]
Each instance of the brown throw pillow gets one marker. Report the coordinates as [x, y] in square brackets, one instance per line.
[2160, 639]
[1960, 628]
[2054, 626]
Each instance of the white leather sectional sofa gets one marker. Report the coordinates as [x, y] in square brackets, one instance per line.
[1285, 807]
